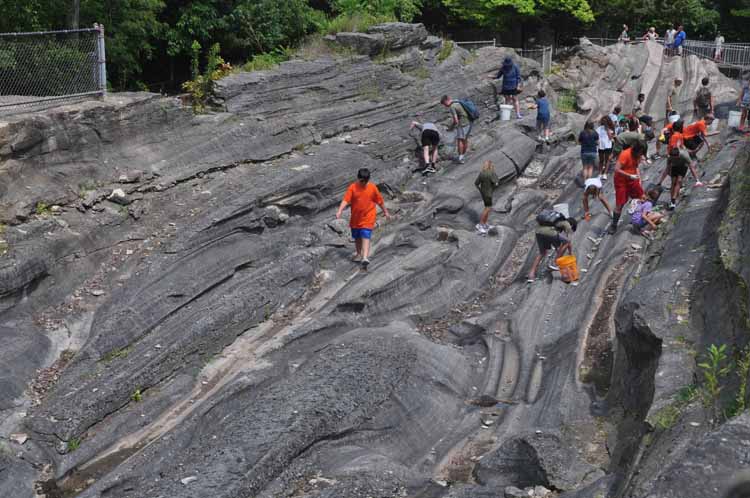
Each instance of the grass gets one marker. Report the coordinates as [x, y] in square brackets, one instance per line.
[74, 443]
[137, 396]
[352, 23]
[420, 72]
[566, 101]
[41, 209]
[264, 62]
[116, 353]
[667, 417]
[445, 51]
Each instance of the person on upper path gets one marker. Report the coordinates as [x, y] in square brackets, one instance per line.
[624, 36]
[606, 131]
[542, 115]
[589, 140]
[593, 188]
[643, 216]
[486, 182]
[651, 34]
[627, 180]
[430, 140]
[695, 135]
[718, 47]
[362, 196]
[679, 39]
[743, 102]
[461, 123]
[703, 104]
[669, 41]
[511, 76]
[554, 231]
[672, 96]
[678, 164]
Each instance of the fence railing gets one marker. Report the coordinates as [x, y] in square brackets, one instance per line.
[543, 55]
[731, 54]
[51, 67]
[473, 45]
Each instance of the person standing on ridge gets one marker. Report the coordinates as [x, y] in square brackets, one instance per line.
[719, 49]
[703, 104]
[589, 140]
[627, 180]
[511, 77]
[606, 133]
[744, 102]
[362, 196]
[430, 139]
[542, 116]
[461, 123]
[624, 36]
[669, 41]
[679, 39]
[486, 182]
[672, 96]
[678, 163]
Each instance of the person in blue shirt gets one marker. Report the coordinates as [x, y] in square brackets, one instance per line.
[511, 77]
[679, 39]
[589, 140]
[542, 116]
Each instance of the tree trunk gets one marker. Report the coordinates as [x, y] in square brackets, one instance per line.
[75, 14]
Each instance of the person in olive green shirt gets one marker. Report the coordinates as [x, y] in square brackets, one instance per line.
[486, 182]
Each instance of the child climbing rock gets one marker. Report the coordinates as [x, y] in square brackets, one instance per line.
[593, 188]
[542, 116]
[486, 182]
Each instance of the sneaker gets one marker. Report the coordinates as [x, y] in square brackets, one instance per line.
[356, 258]
[612, 229]
[481, 228]
[430, 169]
[604, 177]
[530, 280]
[519, 116]
[672, 205]
[365, 264]
[553, 267]
[656, 157]
[460, 159]
[540, 138]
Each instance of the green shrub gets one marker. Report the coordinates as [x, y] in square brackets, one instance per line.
[566, 101]
[445, 51]
[201, 86]
[262, 62]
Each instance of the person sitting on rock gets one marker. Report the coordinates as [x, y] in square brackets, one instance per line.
[511, 77]
[627, 180]
[486, 182]
[644, 217]
[430, 140]
[593, 188]
[703, 104]
[362, 196]
[549, 234]
[461, 123]
[678, 163]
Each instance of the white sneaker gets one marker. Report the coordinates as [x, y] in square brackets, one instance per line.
[553, 267]
[604, 176]
[480, 228]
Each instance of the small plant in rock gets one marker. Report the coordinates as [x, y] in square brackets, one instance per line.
[41, 209]
[445, 51]
[714, 369]
[74, 443]
[201, 86]
[743, 370]
[137, 396]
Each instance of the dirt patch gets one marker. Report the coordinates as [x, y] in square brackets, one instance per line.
[47, 377]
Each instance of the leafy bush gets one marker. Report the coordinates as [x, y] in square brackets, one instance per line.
[261, 62]
[445, 51]
[201, 86]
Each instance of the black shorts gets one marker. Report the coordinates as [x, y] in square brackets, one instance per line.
[693, 143]
[510, 91]
[678, 170]
[547, 242]
[487, 201]
[430, 138]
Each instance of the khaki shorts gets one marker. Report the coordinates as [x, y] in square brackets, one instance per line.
[463, 132]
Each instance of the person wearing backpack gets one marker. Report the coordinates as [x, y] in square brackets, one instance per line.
[627, 180]
[554, 230]
[511, 76]
[461, 122]
[703, 104]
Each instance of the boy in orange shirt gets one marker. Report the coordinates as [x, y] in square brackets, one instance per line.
[695, 135]
[627, 180]
[362, 196]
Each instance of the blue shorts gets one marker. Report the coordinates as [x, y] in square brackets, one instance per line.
[361, 233]
[542, 120]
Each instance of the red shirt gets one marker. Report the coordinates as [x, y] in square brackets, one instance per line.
[628, 163]
[695, 129]
[363, 199]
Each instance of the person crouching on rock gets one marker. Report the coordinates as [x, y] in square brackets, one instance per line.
[627, 180]
[678, 163]
[643, 217]
[593, 188]
[362, 196]
[486, 182]
[461, 123]
[430, 140]
[549, 234]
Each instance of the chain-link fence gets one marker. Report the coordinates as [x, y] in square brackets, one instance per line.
[46, 68]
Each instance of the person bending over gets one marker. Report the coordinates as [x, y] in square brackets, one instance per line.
[554, 232]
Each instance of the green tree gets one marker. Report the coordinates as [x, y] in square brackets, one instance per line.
[498, 13]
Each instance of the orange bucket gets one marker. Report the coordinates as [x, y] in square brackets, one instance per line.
[568, 268]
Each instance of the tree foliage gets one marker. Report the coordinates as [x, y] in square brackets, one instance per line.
[497, 13]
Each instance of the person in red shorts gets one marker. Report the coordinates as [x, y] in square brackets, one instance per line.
[362, 196]
[627, 180]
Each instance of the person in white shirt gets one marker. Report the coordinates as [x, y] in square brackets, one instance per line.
[719, 41]
[651, 34]
[669, 40]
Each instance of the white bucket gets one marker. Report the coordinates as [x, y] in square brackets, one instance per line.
[505, 111]
[714, 126]
[562, 208]
[734, 119]
[674, 119]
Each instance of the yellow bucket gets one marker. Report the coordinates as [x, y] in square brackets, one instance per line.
[568, 268]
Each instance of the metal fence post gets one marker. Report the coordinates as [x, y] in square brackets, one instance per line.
[101, 59]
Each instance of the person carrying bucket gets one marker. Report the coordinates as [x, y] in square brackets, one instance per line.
[554, 230]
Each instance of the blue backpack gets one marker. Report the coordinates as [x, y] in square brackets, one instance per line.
[470, 108]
